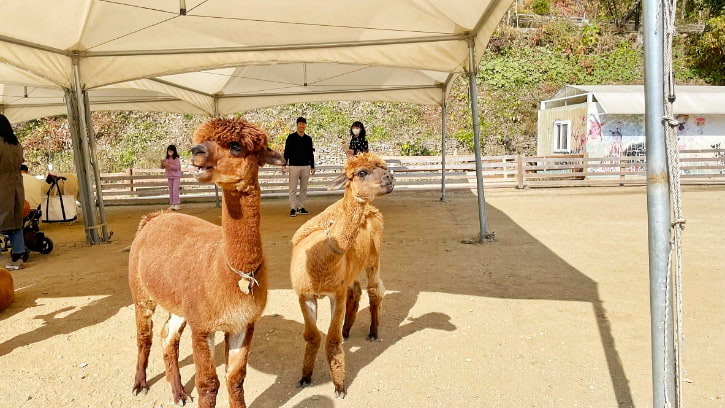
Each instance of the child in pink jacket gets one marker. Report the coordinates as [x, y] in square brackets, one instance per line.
[172, 165]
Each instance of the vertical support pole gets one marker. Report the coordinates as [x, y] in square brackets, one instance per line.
[89, 217]
[585, 165]
[94, 164]
[658, 210]
[473, 94]
[90, 221]
[443, 148]
[216, 196]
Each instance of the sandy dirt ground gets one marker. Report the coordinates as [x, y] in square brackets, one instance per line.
[555, 313]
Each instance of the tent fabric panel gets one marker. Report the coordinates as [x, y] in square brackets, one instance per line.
[431, 96]
[22, 113]
[202, 102]
[158, 24]
[15, 76]
[52, 67]
[14, 95]
[442, 56]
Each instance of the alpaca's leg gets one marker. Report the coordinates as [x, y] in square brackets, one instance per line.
[237, 354]
[207, 382]
[352, 304]
[308, 304]
[376, 291]
[170, 335]
[144, 334]
[333, 347]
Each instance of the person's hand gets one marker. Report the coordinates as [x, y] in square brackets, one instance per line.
[312, 170]
[283, 169]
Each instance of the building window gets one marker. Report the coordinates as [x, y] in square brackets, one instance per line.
[562, 133]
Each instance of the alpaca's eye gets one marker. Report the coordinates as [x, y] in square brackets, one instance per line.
[235, 148]
[362, 173]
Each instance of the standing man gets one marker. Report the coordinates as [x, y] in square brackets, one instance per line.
[299, 155]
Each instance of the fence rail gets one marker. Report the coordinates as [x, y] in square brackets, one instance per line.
[424, 173]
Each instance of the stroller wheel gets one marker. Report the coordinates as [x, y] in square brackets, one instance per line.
[46, 246]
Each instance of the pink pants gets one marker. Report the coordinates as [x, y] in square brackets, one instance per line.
[174, 191]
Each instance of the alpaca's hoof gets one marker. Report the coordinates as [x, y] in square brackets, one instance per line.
[345, 334]
[372, 337]
[139, 388]
[303, 382]
[182, 398]
[341, 393]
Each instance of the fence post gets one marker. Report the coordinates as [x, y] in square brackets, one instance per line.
[129, 173]
[621, 172]
[519, 171]
[585, 165]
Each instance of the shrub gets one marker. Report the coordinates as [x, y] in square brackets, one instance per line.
[541, 7]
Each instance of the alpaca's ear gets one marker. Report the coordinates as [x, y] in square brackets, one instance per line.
[269, 156]
[338, 182]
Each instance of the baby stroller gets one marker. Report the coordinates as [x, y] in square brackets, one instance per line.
[34, 239]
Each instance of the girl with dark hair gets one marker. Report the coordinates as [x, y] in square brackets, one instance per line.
[172, 165]
[358, 143]
[12, 192]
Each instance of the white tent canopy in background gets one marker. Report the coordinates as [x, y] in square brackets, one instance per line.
[222, 56]
[115, 42]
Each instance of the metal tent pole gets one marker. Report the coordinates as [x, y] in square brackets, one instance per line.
[658, 211]
[96, 171]
[443, 148]
[473, 95]
[81, 167]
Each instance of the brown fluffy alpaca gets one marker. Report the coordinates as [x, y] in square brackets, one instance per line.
[329, 253]
[7, 290]
[196, 270]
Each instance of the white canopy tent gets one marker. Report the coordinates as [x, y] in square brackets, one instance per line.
[222, 56]
[229, 90]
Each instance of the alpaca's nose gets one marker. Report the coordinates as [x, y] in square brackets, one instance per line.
[388, 178]
[198, 149]
[199, 155]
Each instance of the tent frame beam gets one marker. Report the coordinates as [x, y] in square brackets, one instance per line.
[276, 47]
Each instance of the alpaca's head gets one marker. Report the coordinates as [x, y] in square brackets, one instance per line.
[365, 176]
[229, 152]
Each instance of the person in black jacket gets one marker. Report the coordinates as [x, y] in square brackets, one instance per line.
[299, 155]
[358, 142]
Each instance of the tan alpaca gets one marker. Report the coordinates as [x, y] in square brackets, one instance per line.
[7, 290]
[213, 278]
[329, 253]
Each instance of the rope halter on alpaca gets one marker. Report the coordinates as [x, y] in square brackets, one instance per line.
[246, 279]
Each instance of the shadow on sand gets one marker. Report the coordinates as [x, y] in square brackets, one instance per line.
[278, 344]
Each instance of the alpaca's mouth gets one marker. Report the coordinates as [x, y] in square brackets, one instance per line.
[202, 170]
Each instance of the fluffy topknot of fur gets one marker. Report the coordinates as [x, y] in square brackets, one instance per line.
[224, 131]
[363, 160]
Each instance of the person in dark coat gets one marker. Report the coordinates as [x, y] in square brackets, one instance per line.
[299, 155]
[12, 194]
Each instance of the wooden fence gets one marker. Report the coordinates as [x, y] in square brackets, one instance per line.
[424, 173]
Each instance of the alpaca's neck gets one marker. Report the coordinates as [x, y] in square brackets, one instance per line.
[347, 224]
[240, 222]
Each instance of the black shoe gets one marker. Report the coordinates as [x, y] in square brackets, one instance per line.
[302, 211]
[292, 213]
